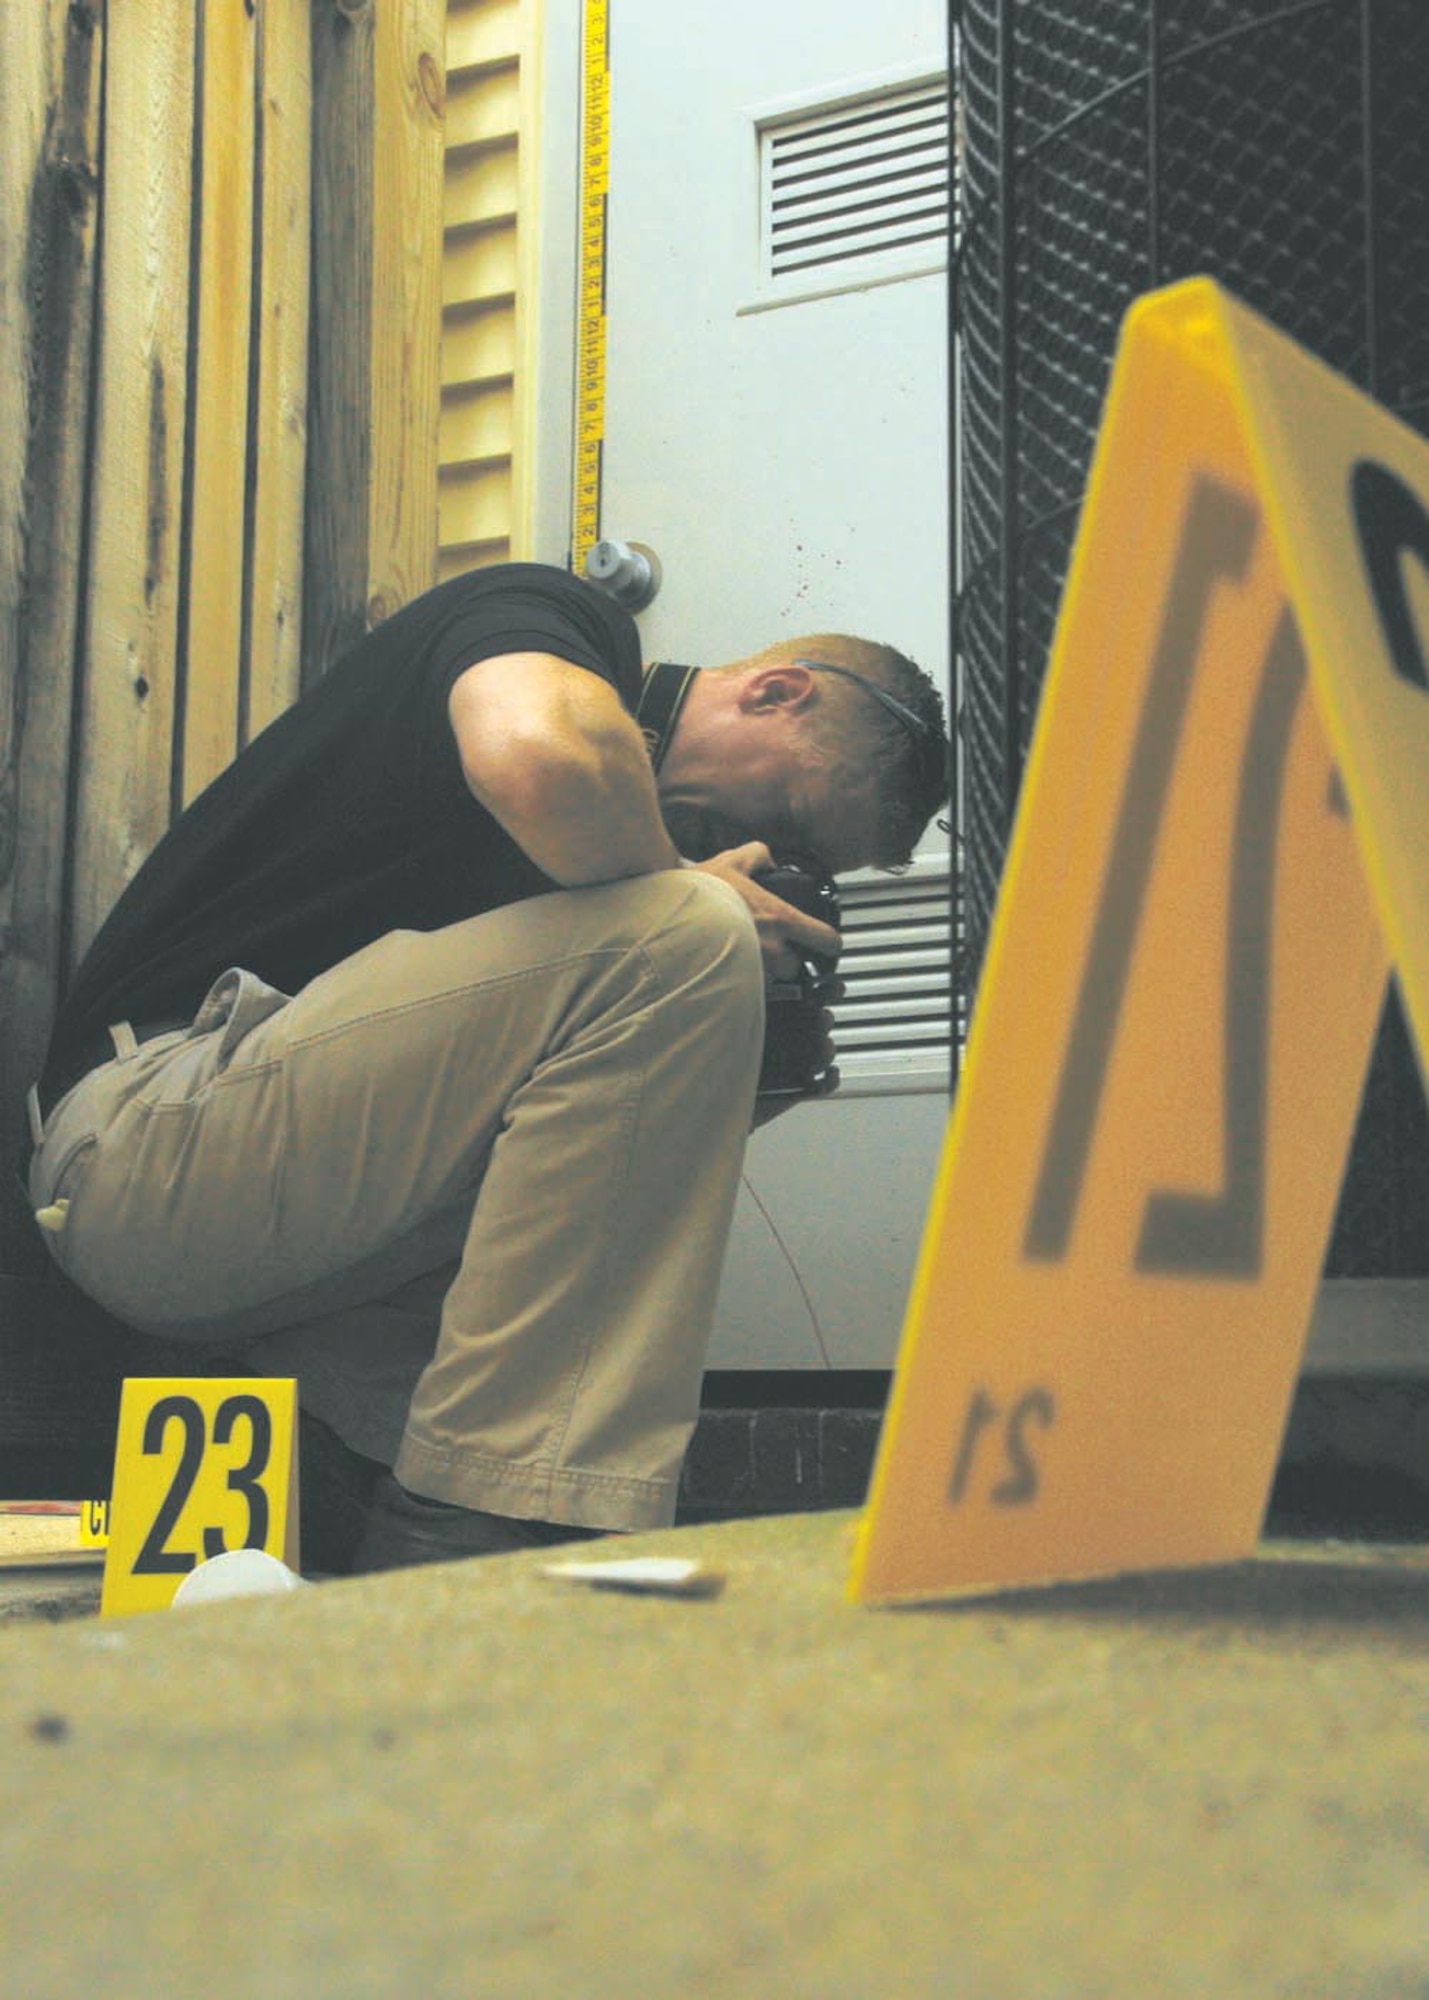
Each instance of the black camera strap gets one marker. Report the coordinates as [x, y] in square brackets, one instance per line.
[658, 709]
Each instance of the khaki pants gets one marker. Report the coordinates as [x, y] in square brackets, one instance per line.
[473, 1187]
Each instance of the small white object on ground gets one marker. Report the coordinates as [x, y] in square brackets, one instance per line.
[670, 1576]
[237, 1573]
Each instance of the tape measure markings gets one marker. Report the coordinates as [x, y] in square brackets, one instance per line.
[590, 321]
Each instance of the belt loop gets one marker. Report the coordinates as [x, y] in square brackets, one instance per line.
[32, 1111]
[126, 1043]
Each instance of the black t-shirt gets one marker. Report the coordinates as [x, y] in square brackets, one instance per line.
[347, 818]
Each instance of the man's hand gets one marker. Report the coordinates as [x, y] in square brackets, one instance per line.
[785, 933]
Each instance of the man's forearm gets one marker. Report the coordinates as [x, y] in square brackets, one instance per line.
[594, 817]
[548, 749]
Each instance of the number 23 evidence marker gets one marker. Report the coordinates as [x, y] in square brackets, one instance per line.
[201, 1467]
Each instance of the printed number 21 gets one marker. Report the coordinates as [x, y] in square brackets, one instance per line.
[1018, 1487]
[1218, 1235]
[1205, 1235]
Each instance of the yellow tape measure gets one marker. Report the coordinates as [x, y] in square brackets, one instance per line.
[590, 311]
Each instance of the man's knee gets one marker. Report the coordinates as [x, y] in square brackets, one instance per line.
[702, 947]
[716, 931]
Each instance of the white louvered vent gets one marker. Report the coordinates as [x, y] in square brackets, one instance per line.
[857, 190]
[894, 1025]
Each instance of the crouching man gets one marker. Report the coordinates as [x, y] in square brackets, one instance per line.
[419, 1058]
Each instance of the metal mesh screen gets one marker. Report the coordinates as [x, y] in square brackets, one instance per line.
[1110, 146]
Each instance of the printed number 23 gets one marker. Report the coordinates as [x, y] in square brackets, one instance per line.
[156, 1558]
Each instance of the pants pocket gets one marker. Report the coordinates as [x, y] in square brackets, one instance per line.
[237, 1002]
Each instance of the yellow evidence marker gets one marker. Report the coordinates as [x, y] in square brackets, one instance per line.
[201, 1466]
[1221, 838]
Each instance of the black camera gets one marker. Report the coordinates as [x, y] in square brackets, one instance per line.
[793, 1064]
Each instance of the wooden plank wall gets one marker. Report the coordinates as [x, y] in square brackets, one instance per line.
[218, 435]
[51, 66]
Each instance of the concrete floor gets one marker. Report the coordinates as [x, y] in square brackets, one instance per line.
[475, 1781]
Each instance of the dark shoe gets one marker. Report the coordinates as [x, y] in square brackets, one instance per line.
[335, 1484]
[403, 1529]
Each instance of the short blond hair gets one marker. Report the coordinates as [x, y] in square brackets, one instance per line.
[865, 745]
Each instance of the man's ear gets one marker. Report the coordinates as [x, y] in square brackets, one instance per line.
[786, 684]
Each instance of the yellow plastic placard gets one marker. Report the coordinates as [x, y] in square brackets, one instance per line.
[200, 1466]
[1182, 982]
[94, 1524]
[1346, 487]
